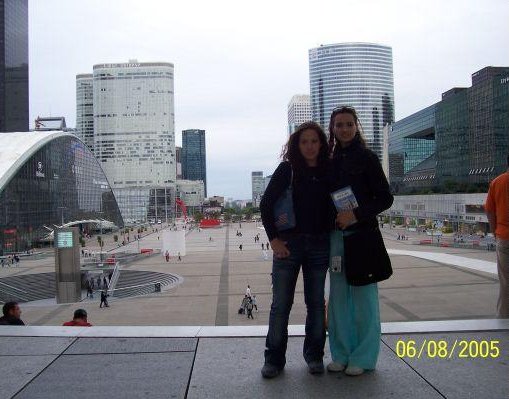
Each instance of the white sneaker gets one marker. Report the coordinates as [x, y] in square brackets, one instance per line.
[335, 367]
[354, 371]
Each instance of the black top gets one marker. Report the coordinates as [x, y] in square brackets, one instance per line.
[11, 321]
[359, 168]
[311, 200]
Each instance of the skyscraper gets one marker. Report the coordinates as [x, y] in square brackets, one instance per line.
[357, 75]
[178, 161]
[13, 65]
[257, 187]
[134, 136]
[299, 111]
[85, 109]
[194, 165]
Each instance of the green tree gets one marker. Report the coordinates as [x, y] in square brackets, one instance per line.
[198, 217]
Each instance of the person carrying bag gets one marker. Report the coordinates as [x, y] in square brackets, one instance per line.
[358, 258]
[301, 183]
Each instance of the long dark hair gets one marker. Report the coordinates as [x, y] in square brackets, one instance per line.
[291, 151]
[334, 145]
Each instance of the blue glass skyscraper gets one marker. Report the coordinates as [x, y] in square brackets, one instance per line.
[358, 75]
[13, 65]
[194, 165]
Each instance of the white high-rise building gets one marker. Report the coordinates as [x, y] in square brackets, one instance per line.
[134, 136]
[85, 109]
[358, 75]
[258, 187]
[192, 192]
[299, 111]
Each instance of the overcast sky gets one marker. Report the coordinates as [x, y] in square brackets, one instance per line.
[238, 63]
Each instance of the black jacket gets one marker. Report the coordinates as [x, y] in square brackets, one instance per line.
[311, 199]
[359, 168]
[11, 321]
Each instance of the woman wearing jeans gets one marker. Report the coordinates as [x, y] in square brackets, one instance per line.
[305, 167]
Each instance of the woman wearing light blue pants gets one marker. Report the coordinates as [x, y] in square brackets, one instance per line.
[360, 192]
[353, 319]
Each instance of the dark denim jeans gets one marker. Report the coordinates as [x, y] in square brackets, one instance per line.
[312, 252]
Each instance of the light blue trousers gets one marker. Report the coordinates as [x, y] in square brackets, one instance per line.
[353, 317]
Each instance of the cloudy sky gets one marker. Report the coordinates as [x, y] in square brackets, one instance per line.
[238, 63]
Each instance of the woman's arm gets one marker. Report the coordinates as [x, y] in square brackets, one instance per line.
[278, 184]
[382, 198]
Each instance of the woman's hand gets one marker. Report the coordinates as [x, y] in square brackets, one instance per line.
[345, 219]
[279, 248]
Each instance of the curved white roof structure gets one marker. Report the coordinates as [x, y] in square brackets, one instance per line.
[17, 148]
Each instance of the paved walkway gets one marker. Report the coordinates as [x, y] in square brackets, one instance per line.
[432, 284]
[224, 362]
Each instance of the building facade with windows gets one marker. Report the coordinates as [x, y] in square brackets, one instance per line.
[85, 109]
[458, 144]
[194, 157]
[48, 179]
[257, 187]
[411, 141]
[359, 75]
[192, 192]
[14, 75]
[134, 136]
[299, 111]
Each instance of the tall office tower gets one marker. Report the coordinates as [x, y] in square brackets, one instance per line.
[194, 161]
[134, 136]
[14, 65]
[299, 111]
[257, 187]
[178, 161]
[357, 75]
[85, 109]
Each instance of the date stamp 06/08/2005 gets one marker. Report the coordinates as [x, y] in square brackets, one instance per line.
[443, 349]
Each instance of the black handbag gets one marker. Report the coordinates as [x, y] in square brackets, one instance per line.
[366, 260]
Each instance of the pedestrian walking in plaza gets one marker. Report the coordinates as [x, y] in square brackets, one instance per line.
[240, 247]
[98, 281]
[243, 305]
[249, 308]
[255, 306]
[105, 282]
[304, 170]
[167, 256]
[497, 210]
[248, 291]
[179, 257]
[353, 309]
[104, 296]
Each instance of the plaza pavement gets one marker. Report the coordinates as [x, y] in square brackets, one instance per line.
[216, 273]
[187, 350]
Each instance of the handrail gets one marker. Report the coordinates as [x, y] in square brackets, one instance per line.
[114, 278]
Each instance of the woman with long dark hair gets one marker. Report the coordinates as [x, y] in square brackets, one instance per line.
[305, 169]
[362, 192]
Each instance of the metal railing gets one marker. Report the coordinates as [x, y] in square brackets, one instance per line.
[114, 278]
